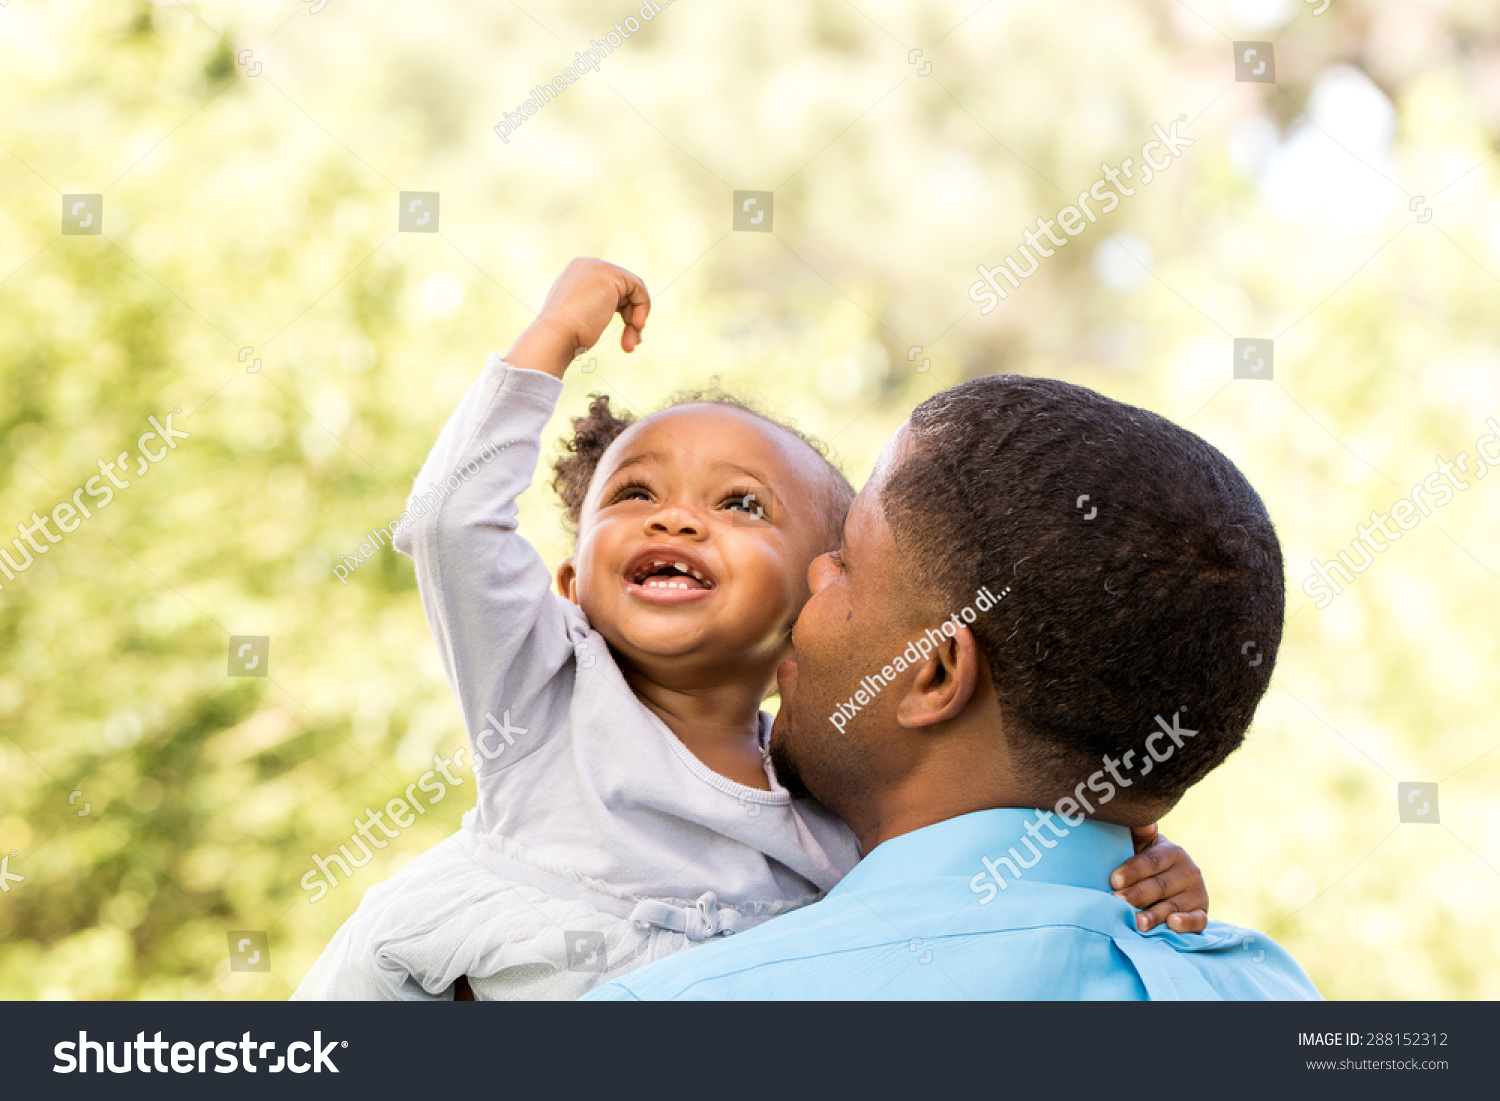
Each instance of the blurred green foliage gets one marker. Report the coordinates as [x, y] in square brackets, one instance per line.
[260, 212]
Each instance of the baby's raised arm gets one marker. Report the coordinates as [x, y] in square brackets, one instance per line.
[502, 633]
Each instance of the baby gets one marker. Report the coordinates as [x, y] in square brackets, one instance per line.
[626, 808]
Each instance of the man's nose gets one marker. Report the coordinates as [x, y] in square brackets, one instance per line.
[820, 571]
[674, 520]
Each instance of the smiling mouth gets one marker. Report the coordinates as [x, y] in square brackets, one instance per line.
[666, 573]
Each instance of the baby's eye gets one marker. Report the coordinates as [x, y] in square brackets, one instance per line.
[631, 492]
[756, 503]
[836, 558]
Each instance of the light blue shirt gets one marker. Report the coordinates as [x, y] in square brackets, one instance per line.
[922, 917]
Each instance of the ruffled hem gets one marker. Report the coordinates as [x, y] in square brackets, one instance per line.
[519, 926]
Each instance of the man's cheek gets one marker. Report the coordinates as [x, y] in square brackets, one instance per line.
[779, 725]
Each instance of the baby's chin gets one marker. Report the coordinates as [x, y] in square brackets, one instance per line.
[666, 641]
[696, 642]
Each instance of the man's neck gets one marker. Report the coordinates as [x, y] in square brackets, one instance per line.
[917, 806]
[914, 807]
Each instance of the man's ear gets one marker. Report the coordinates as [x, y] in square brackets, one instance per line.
[944, 685]
[567, 580]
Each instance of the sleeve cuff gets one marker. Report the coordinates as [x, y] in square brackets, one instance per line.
[523, 380]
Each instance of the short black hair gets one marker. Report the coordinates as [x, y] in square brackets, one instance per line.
[1145, 575]
[573, 470]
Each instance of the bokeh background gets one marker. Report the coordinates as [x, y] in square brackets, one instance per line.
[250, 202]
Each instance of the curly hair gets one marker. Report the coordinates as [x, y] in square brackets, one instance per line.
[573, 470]
[1145, 610]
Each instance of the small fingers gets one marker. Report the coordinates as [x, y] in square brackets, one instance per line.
[1178, 881]
[1153, 860]
[634, 307]
[1177, 920]
[1143, 837]
[1194, 921]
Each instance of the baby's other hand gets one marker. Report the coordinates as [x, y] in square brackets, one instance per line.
[580, 305]
[1163, 883]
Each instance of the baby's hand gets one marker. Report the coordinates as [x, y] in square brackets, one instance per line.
[578, 308]
[1162, 882]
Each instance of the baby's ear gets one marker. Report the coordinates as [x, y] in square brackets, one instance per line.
[567, 580]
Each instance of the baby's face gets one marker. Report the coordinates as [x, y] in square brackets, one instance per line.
[677, 560]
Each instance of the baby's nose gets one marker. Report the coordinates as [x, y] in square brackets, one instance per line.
[674, 521]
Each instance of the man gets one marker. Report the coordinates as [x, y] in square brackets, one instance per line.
[1049, 616]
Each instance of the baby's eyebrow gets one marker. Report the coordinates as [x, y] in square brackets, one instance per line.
[725, 465]
[638, 459]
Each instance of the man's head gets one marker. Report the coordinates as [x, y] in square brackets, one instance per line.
[1144, 578]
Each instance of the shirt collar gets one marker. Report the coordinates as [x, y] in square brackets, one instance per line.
[1083, 856]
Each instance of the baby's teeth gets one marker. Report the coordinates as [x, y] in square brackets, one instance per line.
[668, 583]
